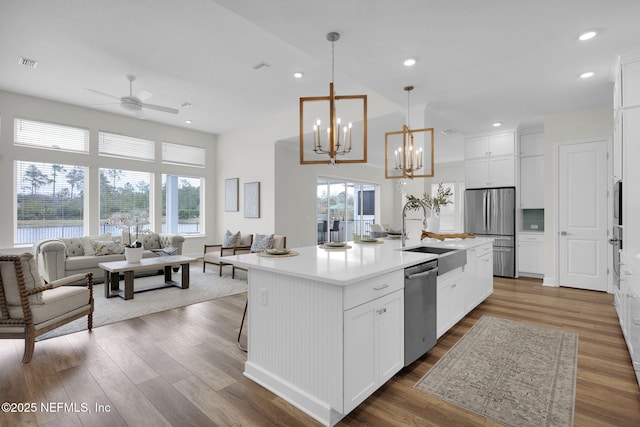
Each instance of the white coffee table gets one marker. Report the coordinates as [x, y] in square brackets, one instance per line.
[112, 271]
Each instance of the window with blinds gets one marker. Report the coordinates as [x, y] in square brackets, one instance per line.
[183, 154]
[129, 147]
[123, 192]
[53, 136]
[49, 201]
[181, 213]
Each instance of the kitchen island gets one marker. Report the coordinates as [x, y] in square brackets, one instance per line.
[326, 327]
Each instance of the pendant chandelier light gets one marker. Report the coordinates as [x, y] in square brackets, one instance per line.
[324, 136]
[409, 152]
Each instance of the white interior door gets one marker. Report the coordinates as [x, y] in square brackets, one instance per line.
[583, 202]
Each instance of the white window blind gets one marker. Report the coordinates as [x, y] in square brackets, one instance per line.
[183, 154]
[50, 201]
[123, 146]
[49, 135]
[123, 192]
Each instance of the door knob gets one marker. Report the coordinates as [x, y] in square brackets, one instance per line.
[564, 233]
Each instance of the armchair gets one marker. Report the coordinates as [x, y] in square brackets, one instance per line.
[214, 253]
[278, 242]
[29, 308]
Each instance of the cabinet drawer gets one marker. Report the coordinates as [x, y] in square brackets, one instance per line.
[531, 238]
[483, 250]
[368, 290]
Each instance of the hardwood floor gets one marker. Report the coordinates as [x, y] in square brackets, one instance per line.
[182, 367]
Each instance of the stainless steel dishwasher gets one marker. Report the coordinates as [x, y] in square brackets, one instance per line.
[420, 286]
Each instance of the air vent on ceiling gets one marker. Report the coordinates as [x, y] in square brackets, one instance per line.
[447, 131]
[31, 63]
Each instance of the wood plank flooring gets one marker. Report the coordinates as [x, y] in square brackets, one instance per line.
[181, 367]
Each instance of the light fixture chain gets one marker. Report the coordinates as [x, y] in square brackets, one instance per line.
[408, 109]
[333, 61]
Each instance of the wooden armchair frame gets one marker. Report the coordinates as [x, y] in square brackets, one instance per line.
[224, 251]
[25, 327]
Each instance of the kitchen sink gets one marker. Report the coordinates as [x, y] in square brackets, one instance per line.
[448, 258]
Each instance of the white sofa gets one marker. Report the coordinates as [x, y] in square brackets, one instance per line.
[58, 258]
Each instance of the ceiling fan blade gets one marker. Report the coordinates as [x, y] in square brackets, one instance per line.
[102, 93]
[160, 108]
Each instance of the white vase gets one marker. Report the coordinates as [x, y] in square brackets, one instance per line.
[433, 223]
[133, 255]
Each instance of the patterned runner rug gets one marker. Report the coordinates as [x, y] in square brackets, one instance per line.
[514, 373]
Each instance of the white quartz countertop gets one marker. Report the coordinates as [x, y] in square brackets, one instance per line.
[346, 266]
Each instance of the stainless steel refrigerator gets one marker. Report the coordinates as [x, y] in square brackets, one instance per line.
[491, 212]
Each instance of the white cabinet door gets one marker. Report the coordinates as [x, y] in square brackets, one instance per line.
[532, 145]
[484, 273]
[532, 182]
[373, 346]
[530, 254]
[472, 292]
[502, 144]
[476, 147]
[502, 171]
[476, 173]
[450, 300]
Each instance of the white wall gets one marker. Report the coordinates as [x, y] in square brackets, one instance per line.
[14, 105]
[571, 126]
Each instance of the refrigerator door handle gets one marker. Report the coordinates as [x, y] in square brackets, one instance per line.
[484, 211]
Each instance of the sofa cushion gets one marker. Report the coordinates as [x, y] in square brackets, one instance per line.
[262, 242]
[230, 239]
[56, 302]
[31, 276]
[150, 241]
[74, 246]
[106, 247]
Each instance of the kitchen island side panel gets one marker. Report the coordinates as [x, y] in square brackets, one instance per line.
[295, 336]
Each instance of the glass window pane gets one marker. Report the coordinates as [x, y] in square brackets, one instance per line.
[123, 192]
[50, 201]
[181, 201]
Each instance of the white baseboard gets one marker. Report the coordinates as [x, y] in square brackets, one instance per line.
[549, 281]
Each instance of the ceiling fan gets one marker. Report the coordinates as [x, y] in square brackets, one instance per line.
[133, 102]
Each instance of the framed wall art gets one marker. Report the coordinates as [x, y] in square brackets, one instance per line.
[252, 200]
[231, 195]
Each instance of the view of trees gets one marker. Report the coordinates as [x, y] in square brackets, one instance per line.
[65, 203]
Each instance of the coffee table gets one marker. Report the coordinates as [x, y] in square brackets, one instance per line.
[112, 271]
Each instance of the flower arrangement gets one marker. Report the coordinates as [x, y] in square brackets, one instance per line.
[434, 203]
[131, 223]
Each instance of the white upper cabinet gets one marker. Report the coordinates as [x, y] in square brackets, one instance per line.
[501, 144]
[532, 145]
[532, 182]
[490, 160]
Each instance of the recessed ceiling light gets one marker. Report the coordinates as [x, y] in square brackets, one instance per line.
[298, 75]
[188, 122]
[497, 124]
[409, 62]
[587, 36]
[587, 75]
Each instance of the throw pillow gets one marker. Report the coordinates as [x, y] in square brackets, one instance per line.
[262, 242]
[86, 242]
[230, 239]
[106, 247]
[32, 280]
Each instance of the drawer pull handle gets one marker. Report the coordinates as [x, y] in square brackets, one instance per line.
[382, 311]
[379, 288]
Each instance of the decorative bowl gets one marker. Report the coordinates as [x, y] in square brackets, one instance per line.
[335, 244]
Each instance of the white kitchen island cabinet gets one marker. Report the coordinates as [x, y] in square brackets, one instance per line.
[326, 327]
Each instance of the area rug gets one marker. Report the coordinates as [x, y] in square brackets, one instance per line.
[202, 287]
[514, 373]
